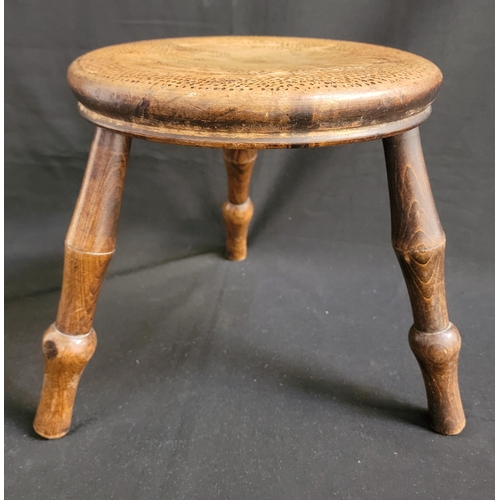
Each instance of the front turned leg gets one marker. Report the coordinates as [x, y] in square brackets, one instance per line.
[419, 242]
[237, 211]
[70, 342]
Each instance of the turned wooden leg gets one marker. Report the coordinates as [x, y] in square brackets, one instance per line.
[238, 209]
[70, 342]
[419, 242]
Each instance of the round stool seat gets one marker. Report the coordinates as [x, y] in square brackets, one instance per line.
[254, 92]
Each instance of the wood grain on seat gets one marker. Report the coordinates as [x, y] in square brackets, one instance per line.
[254, 92]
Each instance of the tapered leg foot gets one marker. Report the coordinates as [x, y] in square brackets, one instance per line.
[237, 211]
[90, 243]
[437, 355]
[65, 359]
[237, 219]
[419, 242]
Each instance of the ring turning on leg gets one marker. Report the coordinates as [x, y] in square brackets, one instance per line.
[90, 243]
[65, 359]
[237, 211]
[419, 242]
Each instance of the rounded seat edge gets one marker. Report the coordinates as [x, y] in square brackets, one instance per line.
[252, 140]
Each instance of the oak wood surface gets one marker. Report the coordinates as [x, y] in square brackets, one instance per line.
[254, 92]
[238, 210]
[91, 238]
[437, 355]
[66, 356]
[419, 242]
[90, 242]
[237, 219]
[239, 166]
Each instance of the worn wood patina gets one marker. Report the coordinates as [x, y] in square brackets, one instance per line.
[243, 94]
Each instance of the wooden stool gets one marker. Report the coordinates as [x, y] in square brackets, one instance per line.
[242, 94]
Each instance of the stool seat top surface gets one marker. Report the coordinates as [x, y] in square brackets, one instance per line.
[250, 91]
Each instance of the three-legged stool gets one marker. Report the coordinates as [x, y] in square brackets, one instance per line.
[242, 94]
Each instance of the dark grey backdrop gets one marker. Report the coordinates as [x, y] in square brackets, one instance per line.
[286, 376]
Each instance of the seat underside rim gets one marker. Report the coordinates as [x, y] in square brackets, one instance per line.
[252, 140]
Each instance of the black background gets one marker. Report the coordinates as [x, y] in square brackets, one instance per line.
[215, 379]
